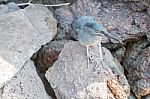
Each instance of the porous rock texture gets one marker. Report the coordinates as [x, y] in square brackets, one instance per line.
[117, 16]
[132, 51]
[71, 78]
[137, 64]
[139, 73]
[48, 54]
[20, 38]
[42, 19]
[119, 86]
[25, 84]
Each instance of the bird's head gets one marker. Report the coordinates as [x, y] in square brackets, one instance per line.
[97, 27]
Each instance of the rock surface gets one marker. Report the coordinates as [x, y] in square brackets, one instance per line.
[139, 74]
[132, 51]
[19, 39]
[48, 54]
[42, 19]
[117, 16]
[118, 86]
[26, 84]
[71, 78]
[10, 7]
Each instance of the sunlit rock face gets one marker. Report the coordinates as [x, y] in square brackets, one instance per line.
[72, 78]
[20, 38]
[25, 84]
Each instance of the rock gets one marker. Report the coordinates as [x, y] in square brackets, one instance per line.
[65, 22]
[148, 10]
[139, 73]
[119, 54]
[3, 9]
[145, 2]
[45, 58]
[25, 84]
[71, 78]
[110, 94]
[10, 7]
[132, 51]
[138, 23]
[116, 16]
[0, 91]
[132, 96]
[18, 1]
[42, 19]
[48, 54]
[19, 39]
[119, 86]
[146, 97]
[3, 0]
[138, 6]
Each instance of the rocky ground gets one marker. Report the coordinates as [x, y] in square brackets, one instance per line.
[41, 57]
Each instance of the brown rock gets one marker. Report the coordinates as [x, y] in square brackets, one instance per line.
[48, 54]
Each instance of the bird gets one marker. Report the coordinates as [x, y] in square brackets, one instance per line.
[87, 38]
[90, 32]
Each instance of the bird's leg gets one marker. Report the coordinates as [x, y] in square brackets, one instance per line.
[88, 55]
[101, 54]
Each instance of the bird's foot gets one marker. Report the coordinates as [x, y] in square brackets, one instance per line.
[99, 60]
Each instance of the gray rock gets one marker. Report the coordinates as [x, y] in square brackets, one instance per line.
[132, 96]
[12, 7]
[0, 93]
[148, 10]
[42, 19]
[132, 51]
[3, 9]
[138, 6]
[146, 97]
[139, 74]
[19, 39]
[3, 0]
[145, 2]
[119, 86]
[71, 78]
[25, 84]
[119, 54]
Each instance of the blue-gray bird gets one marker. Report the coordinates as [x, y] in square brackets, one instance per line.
[89, 33]
[87, 38]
